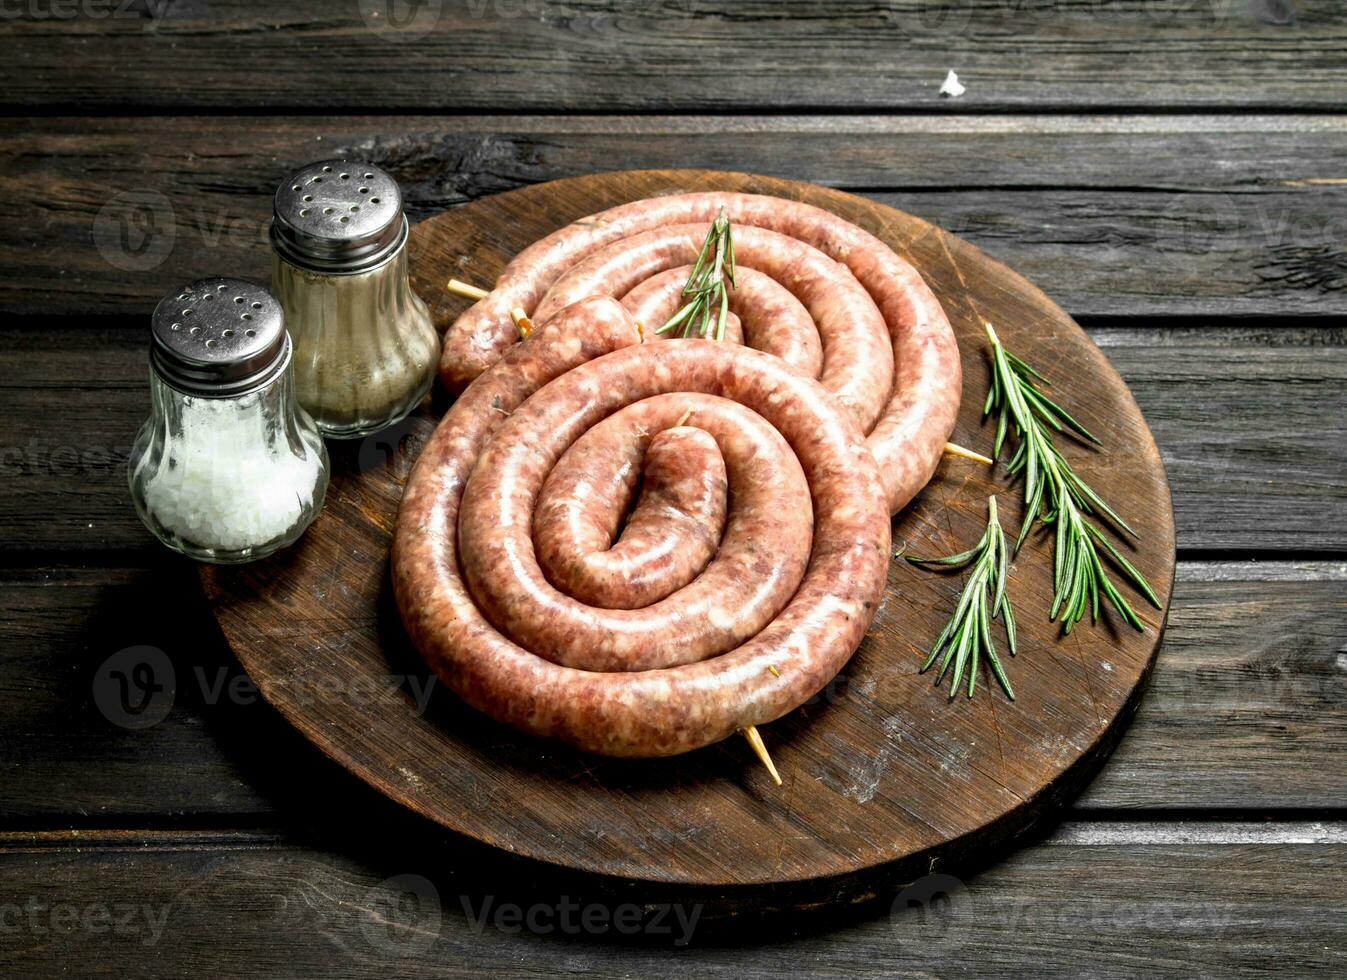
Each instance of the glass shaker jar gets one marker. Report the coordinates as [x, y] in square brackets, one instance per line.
[365, 346]
[228, 468]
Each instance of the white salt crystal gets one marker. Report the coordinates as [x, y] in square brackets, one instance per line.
[223, 485]
[951, 87]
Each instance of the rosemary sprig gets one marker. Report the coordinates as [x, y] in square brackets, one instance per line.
[1055, 495]
[968, 633]
[706, 286]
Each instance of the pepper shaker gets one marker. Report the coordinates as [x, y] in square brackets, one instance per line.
[228, 467]
[365, 346]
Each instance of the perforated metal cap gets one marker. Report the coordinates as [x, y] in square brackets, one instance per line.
[218, 337]
[338, 216]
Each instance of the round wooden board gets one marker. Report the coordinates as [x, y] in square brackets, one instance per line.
[882, 773]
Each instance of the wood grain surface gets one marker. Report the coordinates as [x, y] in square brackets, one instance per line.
[1169, 171]
[318, 909]
[881, 771]
[1113, 216]
[676, 55]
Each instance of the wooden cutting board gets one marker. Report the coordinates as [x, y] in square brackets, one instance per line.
[884, 776]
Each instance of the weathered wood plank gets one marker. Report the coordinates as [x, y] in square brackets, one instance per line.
[1233, 900]
[1246, 419]
[675, 55]
[1213, 398]
[1111, 216]
[1246, 710]
[1251, 677]
[61, 738]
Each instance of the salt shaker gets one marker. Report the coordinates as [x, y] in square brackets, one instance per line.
[228, 468]
[365, 346]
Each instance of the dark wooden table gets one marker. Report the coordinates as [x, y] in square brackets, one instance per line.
[1171, 171]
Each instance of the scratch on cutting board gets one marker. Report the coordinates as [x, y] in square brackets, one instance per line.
[862, 779]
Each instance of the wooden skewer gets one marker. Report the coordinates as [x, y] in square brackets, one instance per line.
[468, 291]
[755, 740]
[954, 449]
[522, 321]
[465, 289]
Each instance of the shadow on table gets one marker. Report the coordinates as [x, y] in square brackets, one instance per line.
[413, 865]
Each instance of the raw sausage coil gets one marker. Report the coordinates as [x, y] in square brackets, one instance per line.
[759, 537]
[824, 295]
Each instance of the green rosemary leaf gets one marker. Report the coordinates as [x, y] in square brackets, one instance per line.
[694, 279]
[1000, 673]
[1009, 619]
[1000, 436]
[1021, 451]
[1033, 500]
[1127, 567]
[1090, 501]
[1026, 369]
[935, 650]
[707, 308]
[677, 318]
[985, 635]
[1121, 604]
[1053, 412]
[962, 558]
[1059, 557]
[999, 546]
[966, 638]
[966, 642]
[1035, 402]
[1056, 496]
[1097, 573]
[950, 650]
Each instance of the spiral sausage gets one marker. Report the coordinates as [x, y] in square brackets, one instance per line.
[829, 298]
[761, 537]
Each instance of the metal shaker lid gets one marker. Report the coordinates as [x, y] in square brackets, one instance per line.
[338, 216]
[215, 337]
